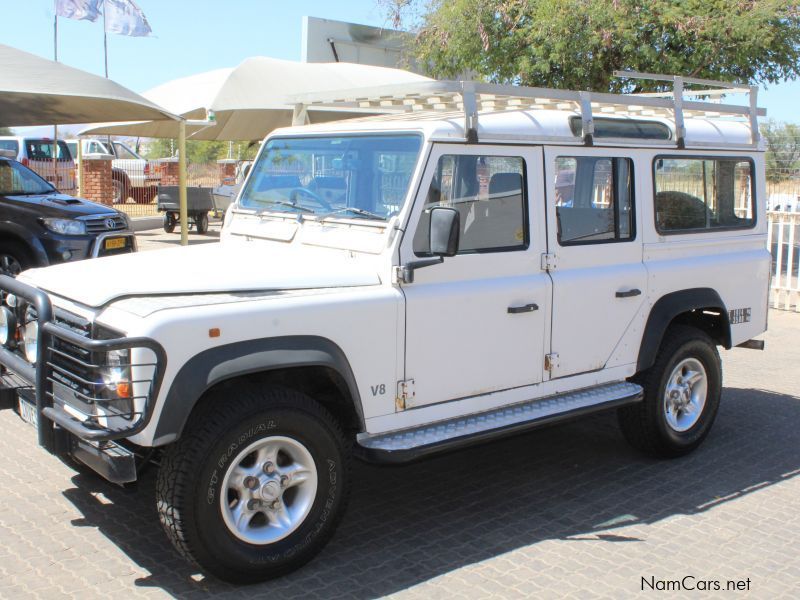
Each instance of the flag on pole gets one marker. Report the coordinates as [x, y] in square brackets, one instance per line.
[83, 10]
[125, 18]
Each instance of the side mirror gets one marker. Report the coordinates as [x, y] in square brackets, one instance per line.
[445, 226]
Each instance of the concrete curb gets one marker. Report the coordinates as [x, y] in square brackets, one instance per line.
[145, 223]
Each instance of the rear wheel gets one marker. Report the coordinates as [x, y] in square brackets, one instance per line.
[120, 191]
[256, 485]
[13, 259]
[681, 395]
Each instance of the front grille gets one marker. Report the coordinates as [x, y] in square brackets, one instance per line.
[103, 224]
[82, 379]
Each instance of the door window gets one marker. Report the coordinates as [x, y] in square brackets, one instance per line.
[489, 194]
[594, 199]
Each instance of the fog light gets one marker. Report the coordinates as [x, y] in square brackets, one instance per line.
[66, 255]
[8, 326]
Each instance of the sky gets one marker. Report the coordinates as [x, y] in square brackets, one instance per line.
[192, 36]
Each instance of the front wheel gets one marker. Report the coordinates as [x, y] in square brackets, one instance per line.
[681, 395]
[256, 485]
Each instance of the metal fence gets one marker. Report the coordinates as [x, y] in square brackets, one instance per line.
[783, 203]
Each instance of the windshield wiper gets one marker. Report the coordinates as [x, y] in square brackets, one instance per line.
[355, 210]
[288, 204]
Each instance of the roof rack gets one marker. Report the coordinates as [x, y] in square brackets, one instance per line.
[471, 98]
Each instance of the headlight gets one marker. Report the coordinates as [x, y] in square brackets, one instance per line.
[65, 226]
[8, 325]
[117, 373]
[30, 338]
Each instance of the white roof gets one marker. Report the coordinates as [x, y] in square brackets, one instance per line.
[530, 126]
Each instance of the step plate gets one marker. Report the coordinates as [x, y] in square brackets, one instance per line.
[408, 444]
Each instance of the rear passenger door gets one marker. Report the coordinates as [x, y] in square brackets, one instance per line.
[594, 239]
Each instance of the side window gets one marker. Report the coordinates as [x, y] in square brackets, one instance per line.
[489, 194]
[594, 199]
[697, 194]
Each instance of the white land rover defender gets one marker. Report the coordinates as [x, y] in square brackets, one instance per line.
[480, 261]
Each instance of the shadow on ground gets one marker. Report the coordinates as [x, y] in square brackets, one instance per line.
[406, 525]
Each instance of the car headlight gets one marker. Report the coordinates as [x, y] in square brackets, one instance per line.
[65, 226]
[8, 325]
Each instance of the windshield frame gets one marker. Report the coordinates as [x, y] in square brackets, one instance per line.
[338, 213]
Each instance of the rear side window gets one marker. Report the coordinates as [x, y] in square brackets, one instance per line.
[43, 150]
[489, 194]
[698, 194]
[594, 200]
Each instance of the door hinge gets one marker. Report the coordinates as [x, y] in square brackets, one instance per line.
[405, 395]
[401, 275]
[551, 361]
[548, 262]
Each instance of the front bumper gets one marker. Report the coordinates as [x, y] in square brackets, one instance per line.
[63, 431]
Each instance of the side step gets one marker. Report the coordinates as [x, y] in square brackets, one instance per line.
[409, 444]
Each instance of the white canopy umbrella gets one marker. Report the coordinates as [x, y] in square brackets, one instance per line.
[37, 91]
[252, 99]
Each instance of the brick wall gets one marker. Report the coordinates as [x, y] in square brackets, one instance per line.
[96, 182]
[169, 171]
[226, 169]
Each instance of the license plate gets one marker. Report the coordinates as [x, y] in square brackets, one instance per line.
[28, 412]
[114, 243]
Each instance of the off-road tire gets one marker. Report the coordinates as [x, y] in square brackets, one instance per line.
[644, 424]
[190, 479]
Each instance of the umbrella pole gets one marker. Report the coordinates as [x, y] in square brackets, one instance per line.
[182, 182]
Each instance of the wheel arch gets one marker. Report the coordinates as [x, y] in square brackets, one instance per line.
[11, 232]
[305, 363]
[699, 307]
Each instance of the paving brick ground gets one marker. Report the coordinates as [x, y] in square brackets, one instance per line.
[566, 511]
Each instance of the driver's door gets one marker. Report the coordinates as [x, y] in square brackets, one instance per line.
[479, 321]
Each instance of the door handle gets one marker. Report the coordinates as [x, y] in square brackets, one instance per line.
[513, 310]
[629, 293]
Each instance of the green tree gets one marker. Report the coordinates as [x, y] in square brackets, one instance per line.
[783, 149]
[577, 44]
[200, 151]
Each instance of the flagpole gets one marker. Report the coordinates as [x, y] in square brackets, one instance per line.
[55, 127]
[105, 38]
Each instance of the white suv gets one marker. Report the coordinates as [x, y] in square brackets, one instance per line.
[397, 286]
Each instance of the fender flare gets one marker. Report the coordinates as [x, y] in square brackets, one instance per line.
[670, 306]
[221, 363]
[39, 254]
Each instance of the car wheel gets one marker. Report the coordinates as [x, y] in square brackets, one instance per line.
[201, 222]
[169, 222]
[13, 259]
[120, 191]
[255, 486]
[681, 395]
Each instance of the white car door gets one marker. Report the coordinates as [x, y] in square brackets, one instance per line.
[478, 322]
[595, 241]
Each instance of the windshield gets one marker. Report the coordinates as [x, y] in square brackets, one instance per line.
[18, 180]
[362, 177]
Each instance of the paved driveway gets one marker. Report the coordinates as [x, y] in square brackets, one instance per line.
[566, 511]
